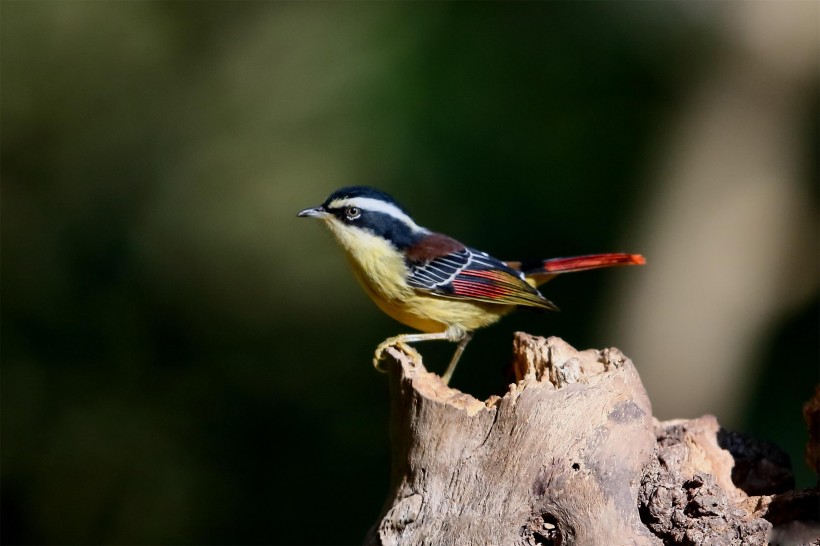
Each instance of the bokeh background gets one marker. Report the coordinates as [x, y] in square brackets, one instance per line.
[184, 361]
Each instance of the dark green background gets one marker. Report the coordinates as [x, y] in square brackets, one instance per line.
[183, 360]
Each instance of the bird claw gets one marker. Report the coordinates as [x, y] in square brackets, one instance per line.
[398, 344]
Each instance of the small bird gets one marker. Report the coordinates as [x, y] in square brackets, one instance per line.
[430, 281]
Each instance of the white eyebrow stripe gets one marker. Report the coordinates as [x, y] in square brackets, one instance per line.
[375, 205]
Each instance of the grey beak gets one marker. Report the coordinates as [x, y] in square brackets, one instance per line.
[315, 212]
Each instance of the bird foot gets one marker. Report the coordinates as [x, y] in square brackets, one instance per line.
[397, 343]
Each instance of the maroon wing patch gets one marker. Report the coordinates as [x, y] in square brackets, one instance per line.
[468, 274]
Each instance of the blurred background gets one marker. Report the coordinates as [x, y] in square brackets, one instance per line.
[184, 361]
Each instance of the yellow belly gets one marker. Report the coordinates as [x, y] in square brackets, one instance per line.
[381, 271]
[429, 313]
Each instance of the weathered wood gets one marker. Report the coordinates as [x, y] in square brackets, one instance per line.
[687, 495]
[570, 455]
[564, 447]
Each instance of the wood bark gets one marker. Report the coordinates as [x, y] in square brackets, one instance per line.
[569, 455]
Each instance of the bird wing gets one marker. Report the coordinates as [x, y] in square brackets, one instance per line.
[468, 274]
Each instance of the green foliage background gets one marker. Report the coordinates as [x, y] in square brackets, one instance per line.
[186, 362]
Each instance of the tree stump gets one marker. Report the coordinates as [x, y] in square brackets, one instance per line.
[570, 455]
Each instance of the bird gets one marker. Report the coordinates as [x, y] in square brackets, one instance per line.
[431, 282]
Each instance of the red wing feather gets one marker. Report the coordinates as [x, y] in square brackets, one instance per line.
[467, 274]
[498, 287]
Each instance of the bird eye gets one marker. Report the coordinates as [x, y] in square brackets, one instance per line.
[352, 213]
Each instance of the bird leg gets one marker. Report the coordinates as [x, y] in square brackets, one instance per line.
[401, 342]
[459, 349]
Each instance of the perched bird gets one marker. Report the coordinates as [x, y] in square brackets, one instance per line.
[430, 281]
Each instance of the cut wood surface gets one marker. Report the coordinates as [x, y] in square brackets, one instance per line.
[569, 455]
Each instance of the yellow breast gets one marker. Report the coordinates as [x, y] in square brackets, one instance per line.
[382, 272]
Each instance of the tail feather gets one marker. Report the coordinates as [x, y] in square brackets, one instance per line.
[544, 270]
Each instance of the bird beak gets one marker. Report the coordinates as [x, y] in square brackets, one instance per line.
[315, 212]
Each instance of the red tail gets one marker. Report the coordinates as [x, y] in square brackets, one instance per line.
[545, 270]
[590, 261]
